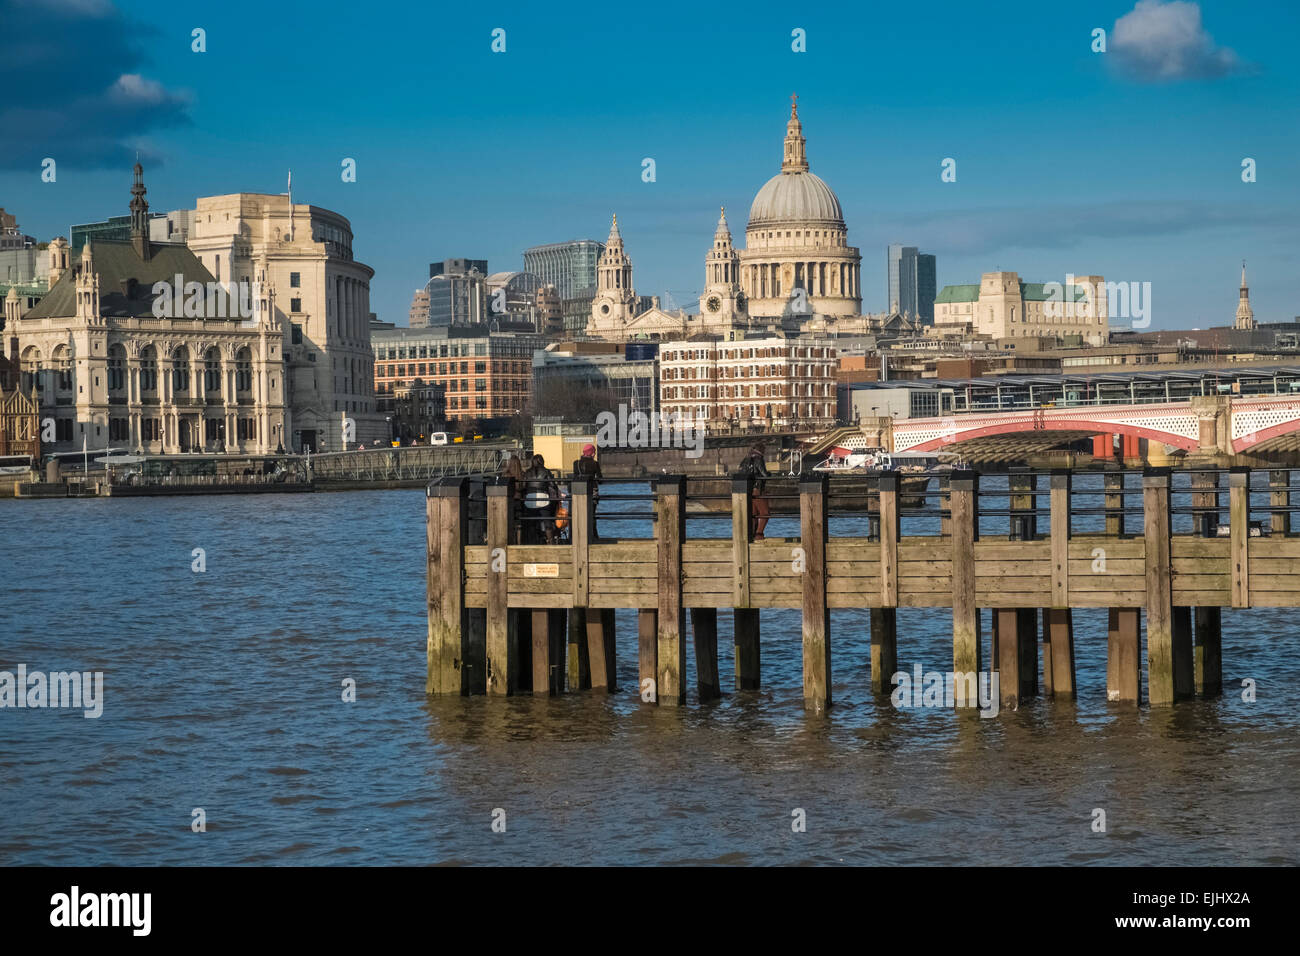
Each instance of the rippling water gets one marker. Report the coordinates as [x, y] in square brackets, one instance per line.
[223, 691]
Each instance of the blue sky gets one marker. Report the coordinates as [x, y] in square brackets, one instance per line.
[1125, 164]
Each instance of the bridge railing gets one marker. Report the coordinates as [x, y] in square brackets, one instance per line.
[408, 463]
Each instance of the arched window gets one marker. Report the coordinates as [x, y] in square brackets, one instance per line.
[212, 373]
[116, 368]
[33, 374]
[63, 369]
[243, 371]
[181, 371]
[148, 369]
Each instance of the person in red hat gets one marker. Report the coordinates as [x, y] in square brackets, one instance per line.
[589, 468]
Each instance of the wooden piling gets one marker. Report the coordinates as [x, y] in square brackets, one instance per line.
[502, 659]
[647, 639]
[543, 682]
[816, 615]
[1159, 603]
[890, 530]
[1058, 620]
[746, 631]
[1208, 677]
[603, 665]
[1239, 526]
[963, 489]
[1184, 669]
[704, 634]
[670, 531]
[1058, 652]
[884, 649]
[1124, 655]
[448, 621]
[579, 657]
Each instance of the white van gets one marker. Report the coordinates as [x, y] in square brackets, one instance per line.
[438, 438]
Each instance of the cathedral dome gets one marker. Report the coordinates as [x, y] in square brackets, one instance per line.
[795, 198]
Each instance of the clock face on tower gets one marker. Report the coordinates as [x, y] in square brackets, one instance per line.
[713, 304]
[604, 308]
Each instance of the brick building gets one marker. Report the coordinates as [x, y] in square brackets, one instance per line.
[774, 382]
[485, 374]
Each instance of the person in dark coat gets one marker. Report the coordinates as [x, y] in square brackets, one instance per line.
[589, 468]
[755, 467]
[541, 495]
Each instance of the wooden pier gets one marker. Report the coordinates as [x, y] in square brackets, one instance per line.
[507, 618]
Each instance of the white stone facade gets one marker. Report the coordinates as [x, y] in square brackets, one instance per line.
[323, 300]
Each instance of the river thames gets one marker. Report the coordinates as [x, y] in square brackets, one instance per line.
[223, 693]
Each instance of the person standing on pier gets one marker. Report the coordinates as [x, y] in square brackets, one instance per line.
[512, 468]
[540, 497]
[755, 467]
[589, 468]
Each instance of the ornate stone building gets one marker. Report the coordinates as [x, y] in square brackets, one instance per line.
[797, 265]
[113, 366]
[1002, 306]
[797, 240]
[324, 298]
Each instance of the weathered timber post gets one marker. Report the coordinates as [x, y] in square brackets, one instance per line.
[502, 655]
[1023, 681]
[580, 535]
[448, 621]
[1058, 620]
[1279, 483]
[1162, 649]
[816, 616]
[1113, 481]
[884, 619]
[1184, 670]
[1239, 525]
[963, 489]
[670, 530]
[601, 648]
[1208, 676]
[647, 645]
[579, 658]
[704, 633]
[541, 635]
[746, 622]
[1123, 655]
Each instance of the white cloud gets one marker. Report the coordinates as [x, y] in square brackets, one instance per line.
[1158, 41]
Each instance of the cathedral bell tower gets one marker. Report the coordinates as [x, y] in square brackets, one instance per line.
[615, 298]
[722, 303]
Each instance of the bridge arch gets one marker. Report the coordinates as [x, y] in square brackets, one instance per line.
[954, 434]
